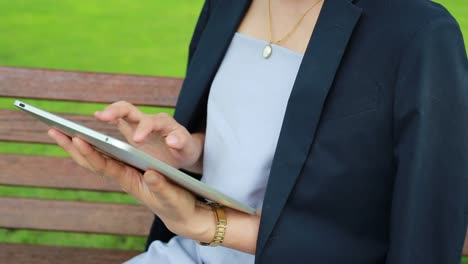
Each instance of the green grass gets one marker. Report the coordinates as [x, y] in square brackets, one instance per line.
[125, 36]
[73, 195]
[72, 239]
[147, 37]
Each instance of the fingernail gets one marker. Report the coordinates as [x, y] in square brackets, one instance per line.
[171, 140]
[151, 177]
[102, 114]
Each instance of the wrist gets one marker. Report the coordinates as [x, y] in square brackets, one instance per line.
[201, 226]
[207, 227]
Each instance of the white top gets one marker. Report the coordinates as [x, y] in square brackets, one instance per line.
[246, 107]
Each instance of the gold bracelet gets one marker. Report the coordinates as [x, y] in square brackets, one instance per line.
[221, 223]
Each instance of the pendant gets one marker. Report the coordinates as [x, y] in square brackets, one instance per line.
[267, 51]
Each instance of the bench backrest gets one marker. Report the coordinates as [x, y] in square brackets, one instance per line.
[40, 171]
[63, 173]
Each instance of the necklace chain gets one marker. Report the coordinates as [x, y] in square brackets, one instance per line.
[293, 29]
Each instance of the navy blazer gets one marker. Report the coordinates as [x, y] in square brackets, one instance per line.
[371, 164]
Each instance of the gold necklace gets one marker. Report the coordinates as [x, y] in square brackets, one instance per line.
[268, 50]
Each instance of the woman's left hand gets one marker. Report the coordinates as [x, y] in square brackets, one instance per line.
[180, 211]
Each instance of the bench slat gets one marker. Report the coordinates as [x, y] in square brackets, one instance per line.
[18, 126]
[88, 87]
[26, 254]
[101, 218]
[50, 172]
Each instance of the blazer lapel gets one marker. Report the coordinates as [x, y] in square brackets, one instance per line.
[213, 44]
[315, 77]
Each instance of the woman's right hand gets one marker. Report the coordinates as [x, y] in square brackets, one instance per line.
[159, 135]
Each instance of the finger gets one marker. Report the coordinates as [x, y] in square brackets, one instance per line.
[126, 129]
[65, 142]
[177, 139]
[118, 110]
[162, 123]
[130, 179]
[159, 186]
[97, 161]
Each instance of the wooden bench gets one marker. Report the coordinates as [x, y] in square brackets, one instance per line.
[63, 173]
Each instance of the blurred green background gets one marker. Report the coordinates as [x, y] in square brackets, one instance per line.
[118, 36]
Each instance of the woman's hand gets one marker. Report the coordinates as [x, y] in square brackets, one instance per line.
[162, 137]
[158, 135]
[179, 209]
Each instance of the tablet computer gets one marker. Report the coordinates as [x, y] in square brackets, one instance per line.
[132, 156]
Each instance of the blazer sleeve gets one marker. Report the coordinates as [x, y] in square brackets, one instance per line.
[430, 118]
[158, 230]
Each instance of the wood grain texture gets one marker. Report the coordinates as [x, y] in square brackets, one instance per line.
[88, 87]
[50, 172]
[27, 254]
[15, 125]
[465, 246]
[102, 218]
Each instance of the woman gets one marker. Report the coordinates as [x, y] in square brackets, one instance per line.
[343, 121]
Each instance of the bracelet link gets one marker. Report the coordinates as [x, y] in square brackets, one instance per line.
[221, 226]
